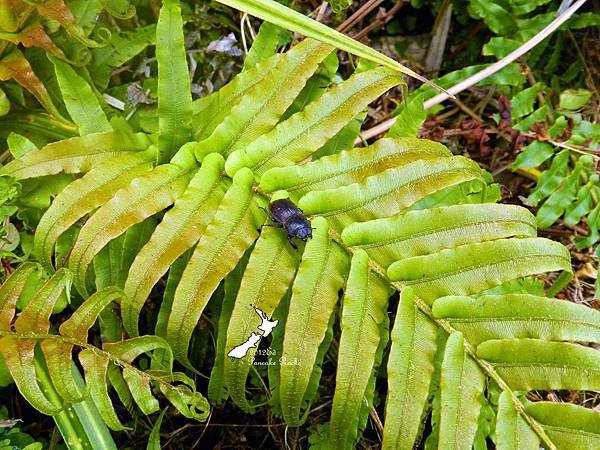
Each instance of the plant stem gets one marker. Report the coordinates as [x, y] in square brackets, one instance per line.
[80, 424]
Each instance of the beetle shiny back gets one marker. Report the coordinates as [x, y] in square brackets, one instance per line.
[291, 218]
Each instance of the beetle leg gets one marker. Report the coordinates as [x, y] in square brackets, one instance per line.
[289, 238]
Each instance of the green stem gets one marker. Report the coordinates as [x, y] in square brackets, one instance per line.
[79, 424]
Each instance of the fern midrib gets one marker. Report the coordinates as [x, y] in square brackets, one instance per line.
[398, 188]
[510, 365]
[436, 231]
[62, 162]
[467, 320]
[97, 351]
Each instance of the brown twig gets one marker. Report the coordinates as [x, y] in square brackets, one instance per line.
[358, 15]
[379, 21]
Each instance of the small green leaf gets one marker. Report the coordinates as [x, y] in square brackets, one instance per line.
[573, 99]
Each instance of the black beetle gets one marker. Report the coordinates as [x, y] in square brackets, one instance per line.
[291, 218]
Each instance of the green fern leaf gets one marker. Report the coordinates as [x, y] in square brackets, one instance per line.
[512, 432]
[364, 308]
[74, 155]
[426, 231]
[461, 387]
[296, 138]
[266, 42]
[174, 92]
[350, 166]
[232, 231]
[569, 426]
[179, 230]
[81, 102]
[266, 279]
[472, 268]
[519, 316]
[528, 364]
[32, 326]
[314, 295]
[390, 191]
[409, 372]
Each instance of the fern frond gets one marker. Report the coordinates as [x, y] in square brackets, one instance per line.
[512, 432]
[75, 155]
[320, 276]
[174, 90]
[403, 210]
[409, 372]
[267, 277]
[364, 309]
[297, 137]
[349, 166]
[231, 232]
[569, 426]
[427, 231]
[80, 101]
[472, 268]
[528, 364]
[390, 191]
[461, 391]
[18, 344]
[518, 316]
